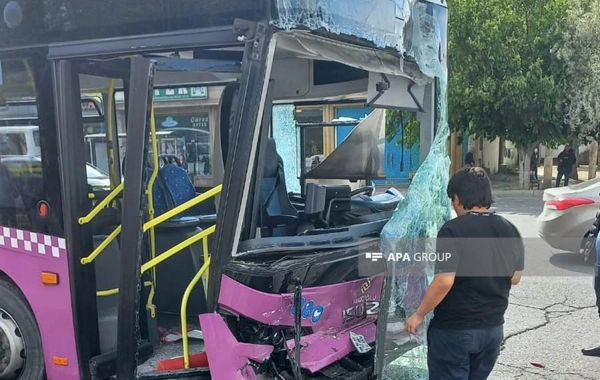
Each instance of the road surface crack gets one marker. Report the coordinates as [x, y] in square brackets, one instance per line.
[549, 315]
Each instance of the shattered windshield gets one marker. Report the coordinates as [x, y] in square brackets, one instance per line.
[420, 214]
[418, 30]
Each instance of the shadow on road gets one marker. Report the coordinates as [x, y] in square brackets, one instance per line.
[572, 262]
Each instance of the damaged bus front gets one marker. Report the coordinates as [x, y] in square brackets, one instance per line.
[301, 297]
[207, 219]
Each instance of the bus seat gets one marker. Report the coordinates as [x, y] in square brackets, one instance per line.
[280, 218]
[178, 185]
[159, 198]
[178, 188]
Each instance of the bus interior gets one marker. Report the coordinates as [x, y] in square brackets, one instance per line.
[175, 233]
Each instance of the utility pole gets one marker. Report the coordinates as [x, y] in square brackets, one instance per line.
[593, 154]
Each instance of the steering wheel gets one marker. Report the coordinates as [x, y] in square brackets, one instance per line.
[169, 159]
[367, 190]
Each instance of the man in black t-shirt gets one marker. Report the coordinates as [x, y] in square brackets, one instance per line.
[483, 255]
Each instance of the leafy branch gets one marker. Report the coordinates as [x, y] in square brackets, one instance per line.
[404, 124]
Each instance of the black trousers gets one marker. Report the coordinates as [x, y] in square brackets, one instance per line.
[463, 354]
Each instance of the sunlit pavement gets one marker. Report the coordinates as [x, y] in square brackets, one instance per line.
[550, 318]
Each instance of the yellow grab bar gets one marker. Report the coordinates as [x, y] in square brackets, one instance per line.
[206, 258]
[153, 223]
[176, 249]
[149, 193]
[113, 194]
[182, 207]
[184, 303]
[111, 292]
[100, 248]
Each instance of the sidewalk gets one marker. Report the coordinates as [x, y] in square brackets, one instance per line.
[507, 185]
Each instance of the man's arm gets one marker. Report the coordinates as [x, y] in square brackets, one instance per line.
[520, 258]
[437, 291]
[442, 282]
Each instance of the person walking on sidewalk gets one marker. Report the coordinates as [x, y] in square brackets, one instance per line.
[566, 160]
[483, 258]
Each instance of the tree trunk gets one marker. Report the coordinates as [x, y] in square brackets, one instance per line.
[548, 168]
[575, 147]
[593, 154]
[524, 169]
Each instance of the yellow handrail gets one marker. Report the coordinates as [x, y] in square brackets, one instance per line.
[176, 249]
[183, 207]
[184, 303]
[153, 223]
[206, 258]
[149, 192]
[111, 292]
[96, 210]
[101, 246]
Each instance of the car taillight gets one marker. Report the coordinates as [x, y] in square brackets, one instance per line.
[564, 204]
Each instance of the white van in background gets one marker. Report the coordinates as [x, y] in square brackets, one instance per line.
[20, 141]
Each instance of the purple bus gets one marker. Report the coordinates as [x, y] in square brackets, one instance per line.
[248, 266]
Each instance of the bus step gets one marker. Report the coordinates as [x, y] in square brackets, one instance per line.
[190, 374]
[105, 365]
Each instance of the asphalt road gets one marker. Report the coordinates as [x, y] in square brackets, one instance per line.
[552, 314]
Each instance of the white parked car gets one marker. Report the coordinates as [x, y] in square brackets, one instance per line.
[568, 214]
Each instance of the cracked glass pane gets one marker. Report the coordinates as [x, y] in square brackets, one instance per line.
[285, 133]
[380, 21]
[421, 213]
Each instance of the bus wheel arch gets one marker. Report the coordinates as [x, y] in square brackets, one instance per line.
[21, 351]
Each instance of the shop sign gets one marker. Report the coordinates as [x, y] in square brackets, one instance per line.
[180, 93]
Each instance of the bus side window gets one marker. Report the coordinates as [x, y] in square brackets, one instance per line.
[22, 184]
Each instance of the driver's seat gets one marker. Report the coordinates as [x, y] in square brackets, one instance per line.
[279, 216]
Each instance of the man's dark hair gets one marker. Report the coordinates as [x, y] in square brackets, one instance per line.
[472, 187]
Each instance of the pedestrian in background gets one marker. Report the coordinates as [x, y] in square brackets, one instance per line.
[566, 160]
[535, 161]
[470, 157]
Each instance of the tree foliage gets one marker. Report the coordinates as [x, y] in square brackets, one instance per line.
[503, 74]
[403, 124]
[580, 54]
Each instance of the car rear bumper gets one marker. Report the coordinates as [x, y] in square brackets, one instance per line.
[564, 230]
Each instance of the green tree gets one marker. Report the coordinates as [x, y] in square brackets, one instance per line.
[580, 53]
[402, 123]
[503, 73]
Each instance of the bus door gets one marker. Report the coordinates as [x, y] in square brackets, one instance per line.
[87, 226]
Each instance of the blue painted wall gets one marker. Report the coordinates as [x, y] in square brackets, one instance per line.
[398, 162]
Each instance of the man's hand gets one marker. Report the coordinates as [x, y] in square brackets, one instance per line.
[439, 288]
[413, 323]
[516, 278]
